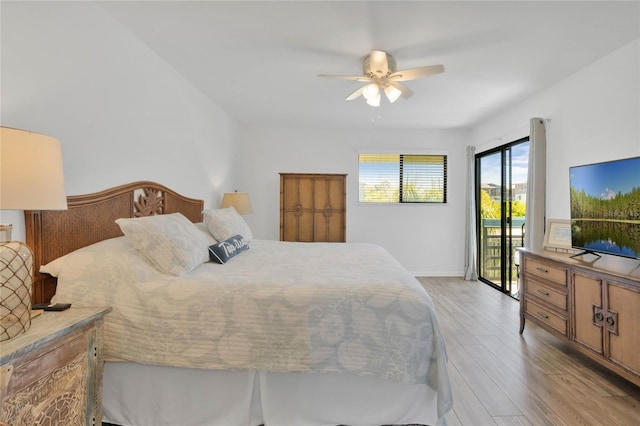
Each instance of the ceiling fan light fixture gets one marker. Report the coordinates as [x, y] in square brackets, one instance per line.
[371, 93]
[380, 74]
[392, 93]
[374, 102]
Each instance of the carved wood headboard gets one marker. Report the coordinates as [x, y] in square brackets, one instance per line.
[91, 218]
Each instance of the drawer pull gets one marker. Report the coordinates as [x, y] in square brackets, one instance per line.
[544, 271]
[598, 316]
[544, 293]
[612, 322]
[543, 315]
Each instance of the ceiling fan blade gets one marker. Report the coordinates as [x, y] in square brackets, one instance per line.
[346, 77]
[414, 73]
[406, 92]
[378, 63]
[355, 94]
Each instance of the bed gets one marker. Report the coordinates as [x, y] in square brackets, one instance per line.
[278, 333]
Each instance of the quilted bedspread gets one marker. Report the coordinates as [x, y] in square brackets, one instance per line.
[279, 306]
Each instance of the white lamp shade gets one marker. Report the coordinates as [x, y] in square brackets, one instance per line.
[31, 174]
[392, 93]
[371, 93]
[237, 200]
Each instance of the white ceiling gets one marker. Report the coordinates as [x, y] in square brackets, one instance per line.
[259, 60]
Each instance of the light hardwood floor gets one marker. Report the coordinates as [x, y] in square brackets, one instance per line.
[500, 377]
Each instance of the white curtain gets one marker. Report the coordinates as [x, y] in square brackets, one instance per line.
[471, 246]
[536, 186]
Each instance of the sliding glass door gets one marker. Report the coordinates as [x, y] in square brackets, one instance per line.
[501, 179]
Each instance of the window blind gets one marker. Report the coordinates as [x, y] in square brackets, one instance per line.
[402, 178]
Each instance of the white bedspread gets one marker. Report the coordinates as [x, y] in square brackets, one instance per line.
[279, 307]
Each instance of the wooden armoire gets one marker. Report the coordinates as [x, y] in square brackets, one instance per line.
[313, 207]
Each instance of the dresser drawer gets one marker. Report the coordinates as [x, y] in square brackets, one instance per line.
[556, 274]
[547, 317]
[545, 293]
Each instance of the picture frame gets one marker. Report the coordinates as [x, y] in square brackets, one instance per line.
[557, 234]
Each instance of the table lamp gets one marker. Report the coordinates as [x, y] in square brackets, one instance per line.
[31, 178]
[238, 200]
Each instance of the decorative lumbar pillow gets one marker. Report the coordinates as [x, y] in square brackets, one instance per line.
[170, 242]
[225, 250]
[225, 223]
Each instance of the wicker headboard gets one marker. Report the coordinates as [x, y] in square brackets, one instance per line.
[91, 218]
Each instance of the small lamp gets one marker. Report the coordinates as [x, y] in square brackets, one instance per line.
[31, 178]
[238, 200]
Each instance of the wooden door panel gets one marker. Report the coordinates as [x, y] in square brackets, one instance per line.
[328, 228]
[297, 226]
[336, 194]
[322, 190]
[623, 346]
[290, 197]
[587, 295]
[312, 207]
[321, 226]
[298, 193]
[336, 228]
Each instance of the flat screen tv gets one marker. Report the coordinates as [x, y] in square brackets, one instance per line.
[605, 207]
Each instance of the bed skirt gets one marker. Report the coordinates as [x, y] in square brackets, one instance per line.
[138, 394]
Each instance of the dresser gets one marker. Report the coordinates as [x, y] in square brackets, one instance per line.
[52, 374]
[313, 207]
[597, 311]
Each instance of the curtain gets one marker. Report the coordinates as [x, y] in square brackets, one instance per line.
[471, 246]
[536, 186]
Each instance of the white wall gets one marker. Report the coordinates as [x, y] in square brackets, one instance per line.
[595, 116]
[425, 239]
[122, 114]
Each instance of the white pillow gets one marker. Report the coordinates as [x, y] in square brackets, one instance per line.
[203, 228]
[54, 267]
[225, 223]
[170, 242]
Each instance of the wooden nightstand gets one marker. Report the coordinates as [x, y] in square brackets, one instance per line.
[52, 374]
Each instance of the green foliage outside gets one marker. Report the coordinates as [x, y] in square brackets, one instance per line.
[381, 193]
[490, 209]
[387, 193]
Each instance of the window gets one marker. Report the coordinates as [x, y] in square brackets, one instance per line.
[402, 178]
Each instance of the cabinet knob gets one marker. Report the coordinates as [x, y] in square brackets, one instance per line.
[544, 293]
[5, 376]
[612, 322]
[544, 271]
[543, 315]
[598, 316]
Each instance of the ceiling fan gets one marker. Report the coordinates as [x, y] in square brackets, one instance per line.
[379, 69]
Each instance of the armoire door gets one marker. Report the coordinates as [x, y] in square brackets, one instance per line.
[312, 207]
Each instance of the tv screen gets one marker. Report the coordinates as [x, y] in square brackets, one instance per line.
[605, 207]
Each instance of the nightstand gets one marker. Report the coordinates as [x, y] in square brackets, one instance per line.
[52, 374]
